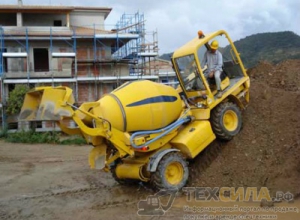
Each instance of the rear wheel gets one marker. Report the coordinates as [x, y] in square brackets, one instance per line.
[226, 120]
[172, 172]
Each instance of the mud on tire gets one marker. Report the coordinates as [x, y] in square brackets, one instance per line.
[172, 172]
[226, 120]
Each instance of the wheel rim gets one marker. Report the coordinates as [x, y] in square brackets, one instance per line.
[174, 173]
[230, 120]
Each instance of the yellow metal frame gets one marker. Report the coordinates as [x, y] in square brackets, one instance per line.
[194, 138]
[192, 48]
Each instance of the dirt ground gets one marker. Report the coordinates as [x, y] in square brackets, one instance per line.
[55, 182]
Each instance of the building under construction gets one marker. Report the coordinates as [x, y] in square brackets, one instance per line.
[70, 46]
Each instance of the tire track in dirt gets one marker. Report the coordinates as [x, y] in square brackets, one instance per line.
[97, 197]
[28, 169]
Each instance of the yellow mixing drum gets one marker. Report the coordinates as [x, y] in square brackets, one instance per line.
[140, 105]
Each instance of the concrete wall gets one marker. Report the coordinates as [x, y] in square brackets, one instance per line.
[83, 18]
[77, 18]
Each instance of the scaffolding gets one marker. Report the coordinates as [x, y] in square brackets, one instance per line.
[128, 44]
[144, 48]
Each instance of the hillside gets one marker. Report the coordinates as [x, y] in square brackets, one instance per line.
[272, 47]
[166, 56]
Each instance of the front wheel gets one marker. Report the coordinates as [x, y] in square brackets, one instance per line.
[172, 172]
[226, 120]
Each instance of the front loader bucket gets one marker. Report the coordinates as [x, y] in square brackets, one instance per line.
[47, 104]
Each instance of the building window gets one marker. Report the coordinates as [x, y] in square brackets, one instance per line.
[41, 59]
[57, 23]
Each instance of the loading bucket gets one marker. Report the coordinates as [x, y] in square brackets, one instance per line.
[47, 104]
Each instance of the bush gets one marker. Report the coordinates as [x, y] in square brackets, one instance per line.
[3, 133]
[74, 141]
[16, 99]
[32, 137]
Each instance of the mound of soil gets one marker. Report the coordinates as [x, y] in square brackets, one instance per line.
[267, 151]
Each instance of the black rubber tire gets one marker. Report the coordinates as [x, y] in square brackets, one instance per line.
[217, 120]
[158, 179]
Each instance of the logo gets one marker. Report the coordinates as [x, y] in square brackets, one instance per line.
[152, 206]
[227, 194]
[281, 196]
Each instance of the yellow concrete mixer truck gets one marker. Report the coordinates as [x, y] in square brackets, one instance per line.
[146, 131]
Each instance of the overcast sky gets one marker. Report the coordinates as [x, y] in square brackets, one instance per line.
[178, 21]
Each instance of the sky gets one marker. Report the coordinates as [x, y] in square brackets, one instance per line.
[178, 21]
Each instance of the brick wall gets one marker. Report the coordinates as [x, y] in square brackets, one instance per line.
[95, 70]
[82, 53]
[90, 92]
[67, 84]
[82, 70]
[83, 93]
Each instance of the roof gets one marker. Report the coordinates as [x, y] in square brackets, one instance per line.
[30, 7]
[193, 45]
[51, 8]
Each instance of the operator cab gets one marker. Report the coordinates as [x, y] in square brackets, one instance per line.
[192, 74]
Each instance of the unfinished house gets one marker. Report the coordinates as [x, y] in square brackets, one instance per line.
[70, 46]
